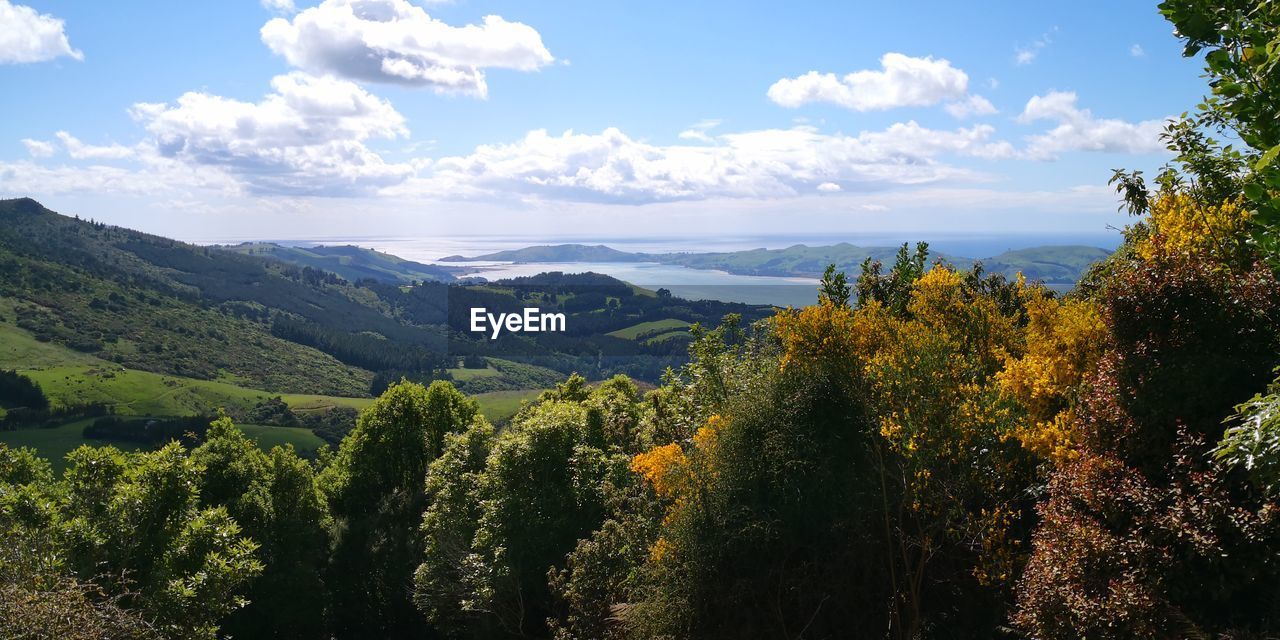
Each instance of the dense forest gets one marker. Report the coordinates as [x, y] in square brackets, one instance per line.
[925, 453]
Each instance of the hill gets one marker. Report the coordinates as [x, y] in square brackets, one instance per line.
[128, 300]
[1061, 265]
[154, 304]
[554, 253]
[1050, 264]
[348, 262]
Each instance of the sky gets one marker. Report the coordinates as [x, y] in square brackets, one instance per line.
[351, 118]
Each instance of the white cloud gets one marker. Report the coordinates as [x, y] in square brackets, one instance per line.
[903, 81]
[283, 7]
[971, 106]
[393, 41]
[698, 130]
[829, 187]
[613, 167]
[81, 151]
[1079, 130]
[158, 177]
[28, 36]
[305, 138]
[1137, 51]
[1028, 54]
[38, 148]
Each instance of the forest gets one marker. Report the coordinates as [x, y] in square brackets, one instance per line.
[926, 452]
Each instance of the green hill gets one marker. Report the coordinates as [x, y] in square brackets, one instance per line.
[1052, 264]
[349, 262]
[159, 305]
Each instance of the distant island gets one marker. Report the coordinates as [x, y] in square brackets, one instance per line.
[1053, 264]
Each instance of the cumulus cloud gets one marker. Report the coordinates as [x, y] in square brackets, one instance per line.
[38, 148]
[613, 167]
[307, 137]
[81, 151]
[1079, 130]
[971, 106]
[393, 41]
[902, 81]
[1137, 51]
[29, 36]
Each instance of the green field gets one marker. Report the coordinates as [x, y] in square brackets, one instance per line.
[140, 393]
[463, 374]
[57, 442]
[20, 350]
[499, 406]
[654, 326]
[268, 437]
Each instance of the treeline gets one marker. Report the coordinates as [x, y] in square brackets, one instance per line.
[372, 352]
[17, 390]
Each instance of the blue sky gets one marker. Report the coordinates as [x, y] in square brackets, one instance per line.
[386, 117]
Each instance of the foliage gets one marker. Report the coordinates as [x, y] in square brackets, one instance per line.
[1240, 42]
[1118, 556]
[374, 488]
[1253, 442]
[17, 390]
[1064, 340]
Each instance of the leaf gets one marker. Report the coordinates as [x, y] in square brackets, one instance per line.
[1267, 158]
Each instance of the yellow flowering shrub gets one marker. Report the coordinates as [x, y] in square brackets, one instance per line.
[662, 467]
[1183, 226]
[830, 335]
[1064, 340]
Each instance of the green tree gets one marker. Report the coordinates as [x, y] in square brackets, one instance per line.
[375, 486]
[449, 526]
[274, 497]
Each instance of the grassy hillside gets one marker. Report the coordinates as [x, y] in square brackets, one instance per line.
[651, 329]
[154, 304]
[349, 262]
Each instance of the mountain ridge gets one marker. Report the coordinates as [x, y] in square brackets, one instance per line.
[1052, 264]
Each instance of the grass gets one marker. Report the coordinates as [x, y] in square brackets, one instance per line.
[462, 374]
[268, 437]
[20, 350]
[654, 326]
[54, 444]
[499, 406]
[140, 393]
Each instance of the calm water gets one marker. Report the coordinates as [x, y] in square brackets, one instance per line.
[683, 282]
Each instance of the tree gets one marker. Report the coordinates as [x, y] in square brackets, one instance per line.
[449, 527]
[375, 489]
[834, 288]
[275, 498]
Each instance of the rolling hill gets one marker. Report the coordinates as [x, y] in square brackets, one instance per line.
[348, 262]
